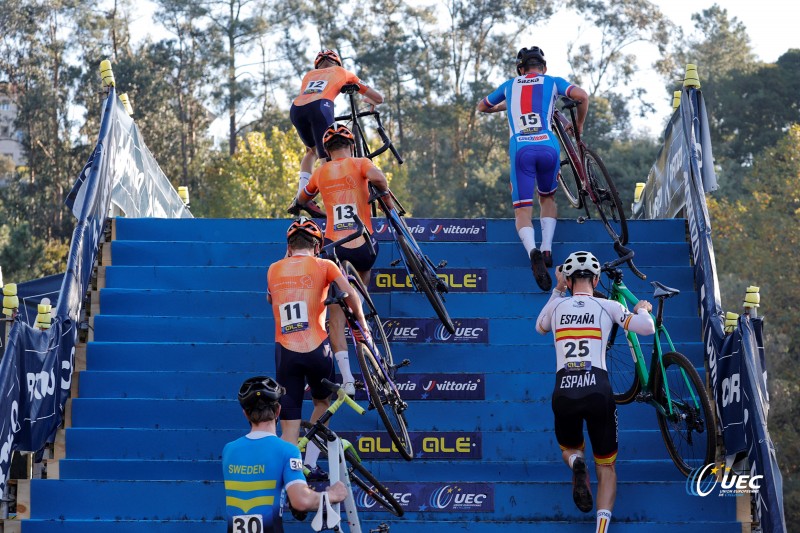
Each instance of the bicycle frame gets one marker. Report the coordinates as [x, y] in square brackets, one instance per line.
[337, 297]
[575, 150]
[337, 466]
[623, 295]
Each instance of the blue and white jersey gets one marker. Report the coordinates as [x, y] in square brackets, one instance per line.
[257, 468]
[530, 101]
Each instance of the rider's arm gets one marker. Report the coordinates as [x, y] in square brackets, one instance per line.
[304, 498]
[639, 322]
[494, 102]
[372, 97]
[582, 97]
[545, 319]
[378, 179]
[310, 190]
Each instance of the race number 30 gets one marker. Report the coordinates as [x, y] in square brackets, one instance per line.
[248, 523]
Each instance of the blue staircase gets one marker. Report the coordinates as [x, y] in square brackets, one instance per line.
[183, 320]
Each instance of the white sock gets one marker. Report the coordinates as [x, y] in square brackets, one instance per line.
[304, 177]
[572, 458]
[343, 360]
[312, 454]
[548, 230]
[528, 238]
[603, 520]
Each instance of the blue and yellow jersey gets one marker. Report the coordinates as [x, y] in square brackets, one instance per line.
[257, 468]
[529, 101]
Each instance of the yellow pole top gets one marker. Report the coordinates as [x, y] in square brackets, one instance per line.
[127, 103]
[107, 74]
[691, 79]
[676, 100]
[183, 192]
[752, 297]
[637, 193]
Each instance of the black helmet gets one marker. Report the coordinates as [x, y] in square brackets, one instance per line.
[533, 54]
[259, 392]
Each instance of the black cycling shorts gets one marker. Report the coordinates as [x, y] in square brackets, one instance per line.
[311, 121]
[295, 369]
[361, 258]
[596, 407]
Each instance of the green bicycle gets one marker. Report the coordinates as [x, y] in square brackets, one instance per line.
[671, 384]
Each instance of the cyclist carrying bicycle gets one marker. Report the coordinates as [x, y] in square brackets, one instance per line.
[260, 469]
[343, 182]
[581, 325]
[297, 286]
[534, 151]
[312, 112]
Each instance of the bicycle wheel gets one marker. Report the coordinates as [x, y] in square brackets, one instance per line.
[568, 175]
[385, 398]
[373, 319]
[689, 432]
[608, 204]
[372, 487]
[621, 367]
[427, 280]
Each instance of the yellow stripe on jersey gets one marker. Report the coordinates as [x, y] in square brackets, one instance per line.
[248, 486]
[246, 504]
[588, 333]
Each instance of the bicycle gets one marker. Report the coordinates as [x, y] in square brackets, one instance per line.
[374, 354]
[671, 384]
[419, 267]
[344, 465]
[589, 179]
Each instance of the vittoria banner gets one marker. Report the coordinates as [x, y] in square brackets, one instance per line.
[433, 386]
[435, 229]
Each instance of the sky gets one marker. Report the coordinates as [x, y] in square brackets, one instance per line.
[773, 27]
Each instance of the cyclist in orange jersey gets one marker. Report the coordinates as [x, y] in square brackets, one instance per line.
[312, 112]
[343, 183]
[297, 286]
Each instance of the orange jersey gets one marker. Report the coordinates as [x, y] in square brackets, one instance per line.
[344, 188]
[298, 286]
[325, 83]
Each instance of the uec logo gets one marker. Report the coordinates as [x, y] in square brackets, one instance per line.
[701, 481]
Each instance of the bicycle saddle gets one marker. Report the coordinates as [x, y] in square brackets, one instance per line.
[350, 88]
[335, 295]
[326, 517]
[662, 291]
[569, 103]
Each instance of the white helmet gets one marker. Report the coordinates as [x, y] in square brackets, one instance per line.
[581, 261]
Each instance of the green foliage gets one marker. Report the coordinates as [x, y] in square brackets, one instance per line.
[259, 180]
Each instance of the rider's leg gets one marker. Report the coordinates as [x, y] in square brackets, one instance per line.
[306, 167]
[312, 452]
[290, 430]
[606, 494]
[523, 217]
[339, 342]
[547, 214]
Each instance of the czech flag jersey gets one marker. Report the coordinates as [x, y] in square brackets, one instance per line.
[530, 101]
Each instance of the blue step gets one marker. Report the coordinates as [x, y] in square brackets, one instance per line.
[439, 415]
[253, 357]
[498, 230]
[207, 444]
[461, 254]
[253, 278]
[254, 304]
[261, 329]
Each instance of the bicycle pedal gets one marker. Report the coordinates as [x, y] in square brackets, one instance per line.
[644, 397]
[395, 262]
[359, 385]
[442, 264]
[404, 362]
[582, 219]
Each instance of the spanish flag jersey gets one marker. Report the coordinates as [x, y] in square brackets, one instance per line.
[298, 286]
[344, 187]
[325, 84]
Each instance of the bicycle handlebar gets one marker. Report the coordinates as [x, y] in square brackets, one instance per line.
[625, 256]
[341, 398]
[341, 394]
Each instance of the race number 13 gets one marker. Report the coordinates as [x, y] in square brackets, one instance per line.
[248, 523]
[343, 215]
